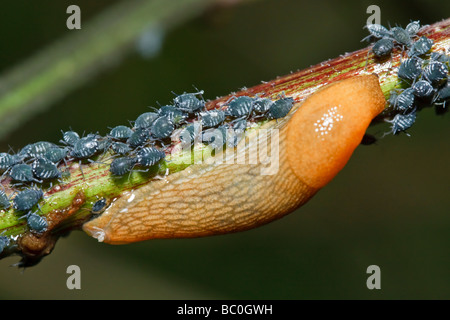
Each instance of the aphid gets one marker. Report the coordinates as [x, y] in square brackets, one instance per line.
[422, 89]
[402, 122]
[189, 134]
[188, 102]
[212, 199]
[7, 160]
[442, 95]
[38, 149]
[121, 133]
[120, 166]
[410, 69]
[280, 108]
[212, 118]
[441, 57]
[215, 137]
[383, 47]
[240, 107]
[435, 72]
[376, 31]
[4, 200]
[120, 147]
[145, 120]
[36, 222]
[56, 154]
[402, 101]
[85, 147]
[413, 27]
[401, 36]
[99, 206]
[139, 137]
[239, 124]
[420, 47]
[45, 169]
[26, 199]
[4, 242]
[70, 138]
[23, 173]
[148, 157]
[172, 113]
[162, 128]
[262, 105]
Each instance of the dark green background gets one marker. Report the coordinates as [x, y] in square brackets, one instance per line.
[388, 207]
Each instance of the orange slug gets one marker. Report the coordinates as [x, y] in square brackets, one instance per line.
[307, 149]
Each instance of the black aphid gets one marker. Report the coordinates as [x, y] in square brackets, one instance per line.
[420, 47]
[36, 222]
[280, 108]
[26, 199]
[402, 101]
[423, 89]
[212, 118]
[121, 166]
[435, 72]
[410, 69]
[240, 107]
[139, 137]
[162, 128]
[145, 120]
[188, 102]
[120, 133]
[402, 122]
[99, 206]
[383, 47]
[45, 169]
[150, 156]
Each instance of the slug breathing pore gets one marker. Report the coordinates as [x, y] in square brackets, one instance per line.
[217, 197]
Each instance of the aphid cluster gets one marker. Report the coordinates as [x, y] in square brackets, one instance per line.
[139, 146]
[424, 75]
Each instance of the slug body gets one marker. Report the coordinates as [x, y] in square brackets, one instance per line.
[310, 146]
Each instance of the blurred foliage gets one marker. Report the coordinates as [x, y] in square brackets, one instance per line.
[389, 206]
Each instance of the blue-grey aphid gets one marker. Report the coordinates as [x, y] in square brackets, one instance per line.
[435, 72]
[402, 122]
[413, 27]
[38, 149]
[22, 172]
[150, 156]
[121, 166]
[240, 107]
[280, 108]
[383, 47]
[423, 89]
[234, 137]
[441, 57]
[188, 102]
[420, 47]
[215, 137]
[139, 137]
[145, 120]
[376, 31]
[189, 134]
[7, 160]
[37, 223]
[120, 133]
[172, 113]
[261, 105]
[56, 154]
[162, 128]
[99, 206]
[442, 95]
[401, 36]
[402, 101]
[4, 242]
[70, 138]
[45, 169]
[85, 147]
[410, 69]
[4, 200]
[120, 147]
[26, 199]
[212, 118]
[239, 124]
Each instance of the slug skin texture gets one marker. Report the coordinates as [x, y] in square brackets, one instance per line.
[216, 198]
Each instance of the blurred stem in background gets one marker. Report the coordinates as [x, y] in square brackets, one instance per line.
[71, 62]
